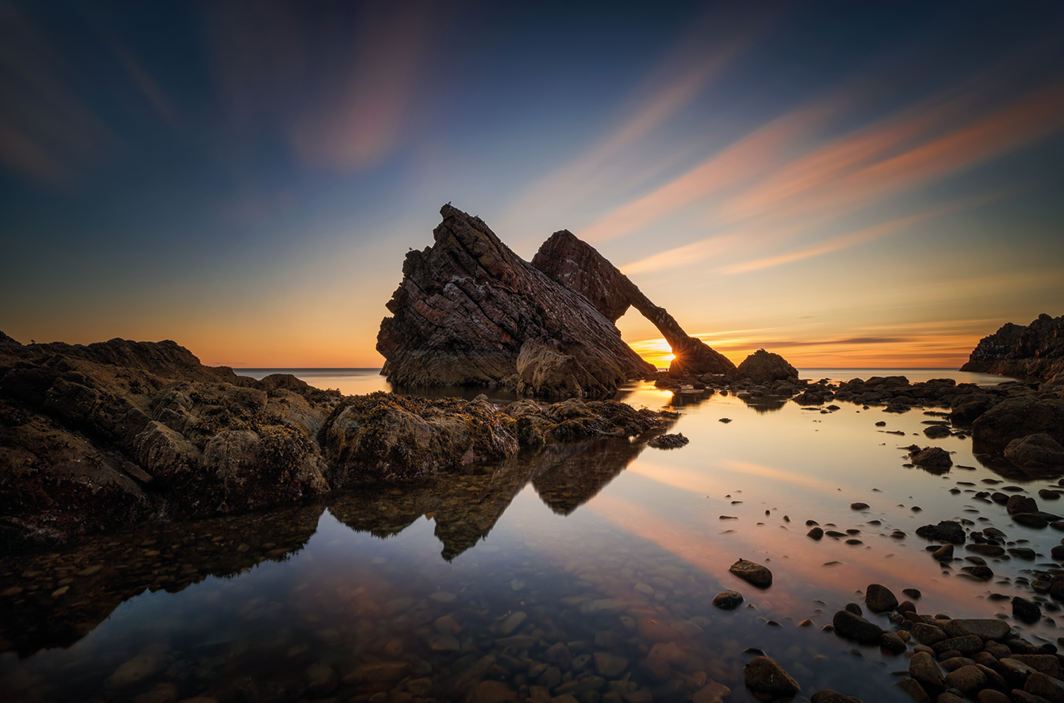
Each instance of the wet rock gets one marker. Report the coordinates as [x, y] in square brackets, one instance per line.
[966, 644]
[609, 665]
[1035, 450]
[816, 533]
[712, 692]
[984, 628]
[1015, 418]
[512, 622]
[931, 458]
[924, 670]
[892, 642]
[765, 676]
[668, 441]
[943, 553]
[858, 506]
[558, 655]
[936, 432]
[856, 627]
[1021, 504]
[491, 692]
[914, 690]
[879, 599]
[1038, 684]
[752, 572]
[968, 679]
[1025, 611]
[945, 531]
[927, 634]
[728, 600]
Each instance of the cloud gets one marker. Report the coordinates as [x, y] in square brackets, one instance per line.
[47, 131]
[707, 50]
[682, 256]
[367, 118]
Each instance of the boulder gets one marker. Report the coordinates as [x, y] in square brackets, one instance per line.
[934, 458]
[765, 367]
[945, 531]
[471, 312]
[764, 676]
[1019, 417]
[879, 599]
[752, 572]
[1035, 450]
[856, 627]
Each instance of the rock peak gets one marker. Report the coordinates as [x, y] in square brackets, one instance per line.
[469, 311]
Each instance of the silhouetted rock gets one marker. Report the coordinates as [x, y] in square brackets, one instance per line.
[576, 265]
[765, 367]
[471, 312]
[1035, 350]
[934, 459]
[945, 531]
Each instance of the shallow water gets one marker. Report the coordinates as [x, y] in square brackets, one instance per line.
[609, 547]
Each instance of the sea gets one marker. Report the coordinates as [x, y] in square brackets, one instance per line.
[586, 569]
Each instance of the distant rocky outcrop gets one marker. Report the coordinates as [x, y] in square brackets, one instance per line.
[117, 433]
[1036, 350]
[580, 267]
[766, 367]
[470, 312]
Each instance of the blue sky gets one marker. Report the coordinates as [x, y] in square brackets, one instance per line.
[848, 184]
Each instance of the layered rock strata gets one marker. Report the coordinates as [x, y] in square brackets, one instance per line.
[1036, 350]
[580, 267]
[470, 312]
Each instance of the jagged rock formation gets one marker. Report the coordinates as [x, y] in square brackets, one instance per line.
[578, 266]
[471, 312]
[1036, 350]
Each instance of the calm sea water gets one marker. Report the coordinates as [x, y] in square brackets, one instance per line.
[361, 381]
[611, 548]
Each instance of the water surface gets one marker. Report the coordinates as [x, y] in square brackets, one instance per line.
[609, 547]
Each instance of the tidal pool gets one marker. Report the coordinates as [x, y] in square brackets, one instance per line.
[586, 569]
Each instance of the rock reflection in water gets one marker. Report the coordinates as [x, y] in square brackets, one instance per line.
[53, 600]
[466, 506]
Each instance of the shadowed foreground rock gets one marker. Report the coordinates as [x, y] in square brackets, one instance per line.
[117, 433]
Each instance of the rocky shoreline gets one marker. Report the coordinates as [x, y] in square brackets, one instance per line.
[118, 433]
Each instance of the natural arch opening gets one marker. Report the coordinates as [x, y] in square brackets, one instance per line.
[644, 338]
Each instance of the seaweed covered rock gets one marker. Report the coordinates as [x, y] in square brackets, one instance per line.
[471, 312]
[387, 437]
[87, 445]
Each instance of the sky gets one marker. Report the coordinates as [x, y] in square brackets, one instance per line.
[848, 184]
